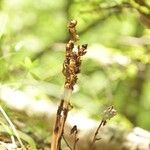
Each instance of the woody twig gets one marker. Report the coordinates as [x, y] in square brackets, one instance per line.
[71, 68]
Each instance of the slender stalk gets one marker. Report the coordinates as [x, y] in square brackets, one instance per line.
[96, 132]
[67, 143]
[12, 127]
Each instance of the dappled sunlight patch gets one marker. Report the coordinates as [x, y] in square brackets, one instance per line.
[105, 56]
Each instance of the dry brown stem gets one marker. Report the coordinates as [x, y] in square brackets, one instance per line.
[71, 68]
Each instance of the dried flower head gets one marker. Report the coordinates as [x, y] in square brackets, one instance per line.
[109, 113]
[72, 62]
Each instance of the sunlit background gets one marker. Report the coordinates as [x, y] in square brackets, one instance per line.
[115, 70]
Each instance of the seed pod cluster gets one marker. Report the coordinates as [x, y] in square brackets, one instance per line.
[72, 62]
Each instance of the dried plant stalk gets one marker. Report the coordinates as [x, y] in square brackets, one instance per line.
[71, 68]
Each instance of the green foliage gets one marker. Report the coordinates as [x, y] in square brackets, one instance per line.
[32, 37]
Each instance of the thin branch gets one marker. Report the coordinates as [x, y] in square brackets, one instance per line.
[116, 9]
[67, 143]
[90, 26]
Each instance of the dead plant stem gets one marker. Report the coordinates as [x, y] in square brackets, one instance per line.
[71, 67]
